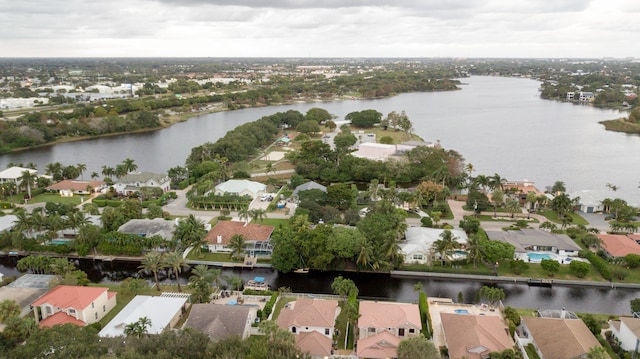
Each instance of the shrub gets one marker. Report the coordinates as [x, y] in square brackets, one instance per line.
[619, 273]
[518, 266]
[551, 266]
[423, 306]
[426, 222]
[579, 269]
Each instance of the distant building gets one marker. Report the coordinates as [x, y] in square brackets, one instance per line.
[252, 189]
[13, 174]
[149, 227]
[257, 237]
[618, 245]
[68, 188]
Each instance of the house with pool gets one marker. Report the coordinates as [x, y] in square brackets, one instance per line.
[534, 245]
[417, 247]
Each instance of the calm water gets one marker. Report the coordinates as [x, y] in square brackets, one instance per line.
[384, 286]
[500, 125]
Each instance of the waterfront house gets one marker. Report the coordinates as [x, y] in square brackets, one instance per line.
[13, 174]
[132, 182]
[474, 336]
[73, 304]
[418, 244]
[556, 338]
[149, 227]
[252, 189]
[585, 96]
[627, 331]
[618, 245]
[312, 321]
[68, 188]
[533, 240]
[257, 237]
[375, 151]
[222, 321]
[25, 290]
[382, 325]
[164, 312]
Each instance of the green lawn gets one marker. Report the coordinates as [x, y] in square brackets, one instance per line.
[576, 219]
[212, 257]
[490, 218]
[122, 299]
[275, 222]
[54, 197]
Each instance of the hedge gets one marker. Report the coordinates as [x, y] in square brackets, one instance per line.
[266, 312]
[601, 265]
[425, 317]
[6, 205]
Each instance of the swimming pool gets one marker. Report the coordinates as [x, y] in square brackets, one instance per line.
[539, 256]
[461, 253]
[461, 311]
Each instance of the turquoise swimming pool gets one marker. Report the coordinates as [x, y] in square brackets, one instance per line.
[539, 256]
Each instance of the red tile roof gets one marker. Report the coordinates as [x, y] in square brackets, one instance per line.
[388, 315]
[69, 296]
[75, 186]
[314, 343]
[251, 232]
[381, 345]
[618, 245]
[59, 319]
[309, 312]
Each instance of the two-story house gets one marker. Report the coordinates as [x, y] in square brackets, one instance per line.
[132, 182]
[73, 304]
[627, 331]
[312, 321]
[382, 325]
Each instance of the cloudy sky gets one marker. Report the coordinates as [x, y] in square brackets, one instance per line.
[319, 28]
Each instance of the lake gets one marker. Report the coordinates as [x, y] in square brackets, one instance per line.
[500, 125]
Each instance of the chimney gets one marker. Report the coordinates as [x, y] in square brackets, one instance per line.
[563, 313]
[219, 238]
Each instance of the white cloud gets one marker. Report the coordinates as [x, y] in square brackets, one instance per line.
[328, 28]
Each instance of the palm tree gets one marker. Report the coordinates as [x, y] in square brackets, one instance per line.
[129, 165]
[94, 175]
[81, 167]
[108, 171]
[258, 215]
[23, 222]
[152, 262]
[200, 281]
[483, 182]
[513, 206]
[237, 245]
[175, 262]
[446, 244]
[497, 182]
[28, 179]
[54, 170]
[474, 250]
[365, 256]
[190, 231]
[244, 213]
[138, 328]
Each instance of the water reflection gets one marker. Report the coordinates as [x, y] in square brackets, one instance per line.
[384, 286]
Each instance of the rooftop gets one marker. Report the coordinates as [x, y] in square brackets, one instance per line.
[560, 338]
[142, 177]
[219, 321]
[307, 312]
[251, 231]
[75, 186]
[71, 296]
[15, 172]
[149, 227]
[388, 315]
[618, 245]
[60, 318]
[160, 310]
[237, 186]
[521, 239]
[472, 336]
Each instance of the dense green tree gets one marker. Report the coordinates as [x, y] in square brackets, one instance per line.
[200, 282]
[492, 294]
[579, 269]
[237, 244]
[417, 348]
[551, 266]
[561, 204]
[308, 127]
[495, 251]
[446, 244]
[8, 309]
[635, 305]
[341, 196]
[364, 119]
[112, 219]
[190, 231]
[319, 115]
[344, 287]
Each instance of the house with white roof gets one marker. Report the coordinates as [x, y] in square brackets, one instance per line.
[528, 240]
[132, 182]
[417, 247]
[164, 312]
[13, 174]
[252, 189]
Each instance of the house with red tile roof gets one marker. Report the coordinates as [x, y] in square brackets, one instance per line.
[474, 336]
[68, 188]
[382, 325]
[312, 321]
[73, 304]
[618, 245]
[257, 237]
